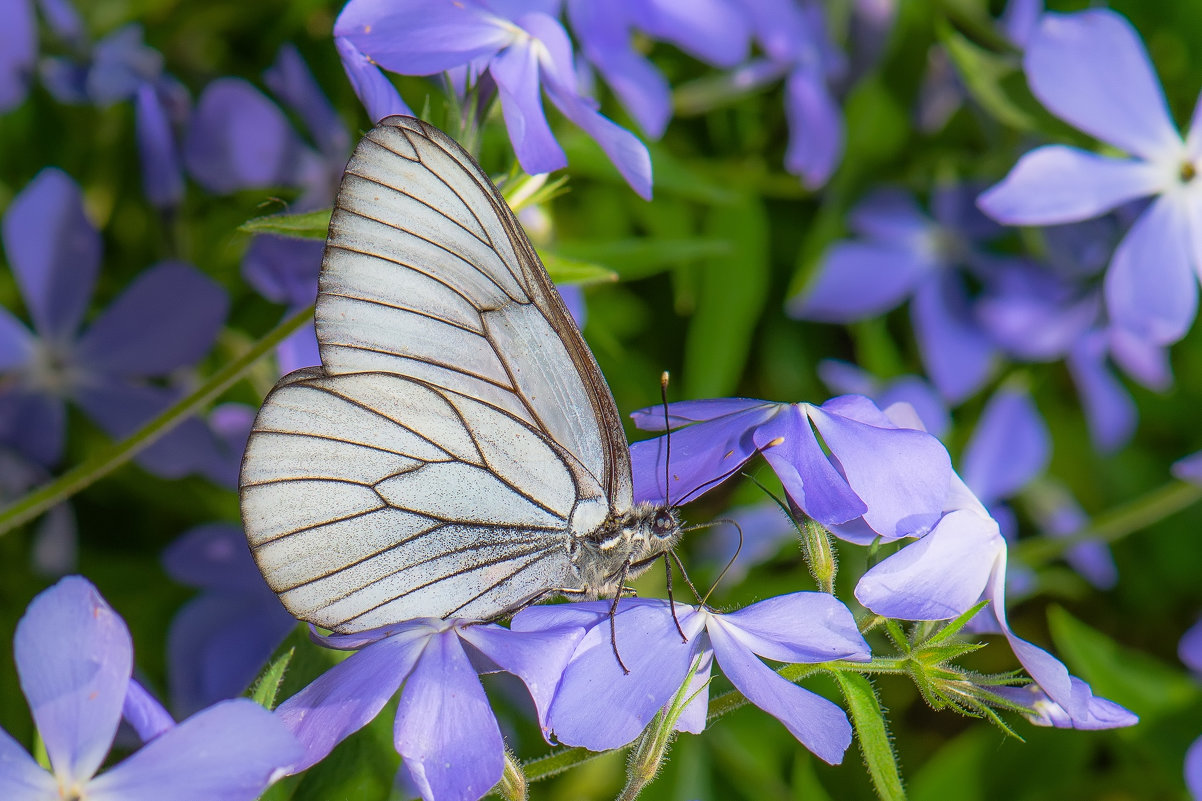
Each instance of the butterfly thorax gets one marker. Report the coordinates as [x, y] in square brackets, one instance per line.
[626, 542]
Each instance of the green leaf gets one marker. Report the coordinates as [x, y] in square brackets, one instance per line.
[640, 257]
[869, 722]
[268, 686]
[309, 225]
[1138, 681]
[730, 300]
[575, 271]
[957, 770]
[983, 73]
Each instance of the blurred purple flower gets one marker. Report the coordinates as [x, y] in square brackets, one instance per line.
[888, 481]
[1010, 446]
[901, 253]
[74, 660]
[715, 31]
[220, 640]
[526, 52]
[1058, 514]
[764, 529]
[1189, 468]
[445, 730]
[166, 319]
[54, 539]
[18, 51]
[1193, 768]
[1091, 70]
[847, 379]
[804, 627]
[961, 561]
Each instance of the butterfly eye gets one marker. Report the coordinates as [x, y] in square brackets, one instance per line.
[663, 525]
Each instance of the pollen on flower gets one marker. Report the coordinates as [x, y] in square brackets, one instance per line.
[1187, 172]
[773, 443]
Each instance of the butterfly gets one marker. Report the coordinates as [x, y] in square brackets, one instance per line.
[458, 452]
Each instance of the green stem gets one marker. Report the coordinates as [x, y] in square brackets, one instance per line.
[1149, 508]
[100, 465]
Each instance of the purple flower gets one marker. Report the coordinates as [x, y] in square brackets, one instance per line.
[1189, 468]
[165, 320]
[1010, 446]
[902, 253]
[524, 52]
[18, 51]
[54, 539]
[1091, 70]
[804, 627]
[947, 571]
[715, 31]
[845, 378]
[1193, 768]
[220, 640]
[74, 658]
[445, 730]
[879, 480]
[763, 529]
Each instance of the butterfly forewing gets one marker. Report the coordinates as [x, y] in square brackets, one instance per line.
[433, 465]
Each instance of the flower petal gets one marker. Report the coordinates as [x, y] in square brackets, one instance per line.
[713, 31]
[1189, 650]
[18, 51]
[144, 713]
[901, 475]
[292, 82]
[1091, 70]
[957, 354]
[283, 269]
[798, 627]
[860, 279]
[374, 90]
[349, 695]
[22, 778]
[299, 350]
[162, 171]
[445, 730]
[1189, 468]
[693, 717]
[818, 724]
[54, 251]
[415, 37]
[167, 318]
[16, 342]
[815, 127]
[658, 661]
[74, 658]
[1058, 184]
[922, 398]
[34, 424]
[538, 658]
[682, 413]
[516, 71]
[1193, 768]
[233, 750]
[1010, 446]
[1109, 409]
[938, 577]
[1151, 289]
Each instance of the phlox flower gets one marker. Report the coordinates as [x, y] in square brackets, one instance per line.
[445, 730]
[54, 546]
[878, 479]
[219, 641]
[18, 51]
[900, 252]
[600, 706]
[1090, 69]
[1189, 650]
[165, 320]
[848, 379]
[525, 52]
[959, 562]
[74, 659]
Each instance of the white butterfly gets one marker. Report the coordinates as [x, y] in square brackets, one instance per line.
[458, 453]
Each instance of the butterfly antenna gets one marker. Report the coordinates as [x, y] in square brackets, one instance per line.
[671, 601]
[663, 394]
[729, 563]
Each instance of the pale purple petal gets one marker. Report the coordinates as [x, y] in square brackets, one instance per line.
[1010, 446]
[714, 31]
[1062, 517]
[938, 577]
[74, 659]
[21, 778]
[954, 208]
[167, 318]
[239, 139]
[922, 397]
[53, 250]
[445, 730]
[818, 724]
[1109, 409]
[693, 717]
[1020, 19]
[283, 269]
[1146, 362]
[299, 350]
[233, 750]
[516, 71]
[416, 37]
[957, 354]
[292, 82]
[805, 471]
[1033, 313]
[120, 63]
[1189, 650]
[658, 661]
[538, 658]
[144, 712]
[162, 171]
[213, 556]
[860, 279]
[901, 475]
[33, 424]
[684, 412]
[846, 378]
[1091, 70]
[892, 216]
[1151, 289]
[1189, 468]
[1059, 184]
[349, 695]
[18, 51]
[815, 127]
[798, 627]
[1193, 768]
[373, 89]
[16, 341]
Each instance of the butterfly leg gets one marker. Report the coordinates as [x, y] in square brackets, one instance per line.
[672, 603]
[613, 611]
